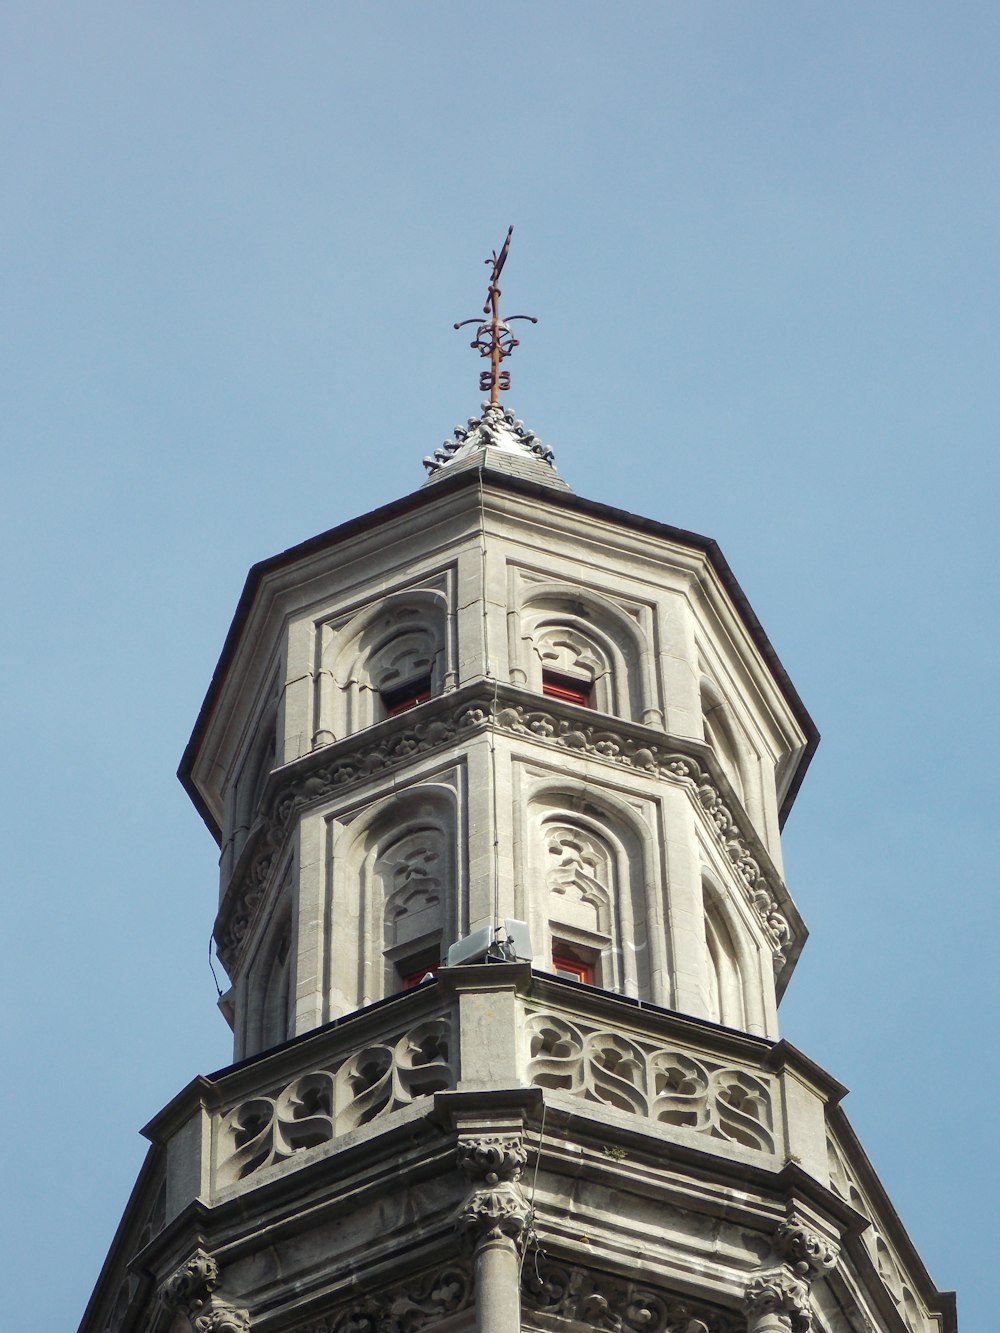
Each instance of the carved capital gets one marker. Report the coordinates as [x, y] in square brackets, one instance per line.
[777, 1301]
[192, 1284]
[222, 1318]
[808, 1253]
[190, 1291]
[498, 1207]
[493, 1158]
[489, 1214]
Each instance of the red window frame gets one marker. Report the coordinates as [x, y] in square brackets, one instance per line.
[405, 697]
[571, 689]
[413, 979]
[572, 969]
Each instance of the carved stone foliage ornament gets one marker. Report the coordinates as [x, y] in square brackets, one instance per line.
[615, 1304]
[663, 1084]
[777, 1300]
[404, 1308]
[317, 778]
[496, 1207]
[190, 1291]
[808, 1253]
[317, 1106]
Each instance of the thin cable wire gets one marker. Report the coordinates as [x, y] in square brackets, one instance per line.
[529, 1222]
[211, 964]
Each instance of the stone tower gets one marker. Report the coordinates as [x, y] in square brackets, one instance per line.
[498, 774]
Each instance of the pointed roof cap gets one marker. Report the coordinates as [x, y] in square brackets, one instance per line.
[498, 442]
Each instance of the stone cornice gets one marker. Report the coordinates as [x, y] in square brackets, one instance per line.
[439, 723]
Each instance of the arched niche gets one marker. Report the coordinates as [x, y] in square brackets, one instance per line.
[271, 986]
[389, 657]
[260, 758]
[725, 737]
[397, 880]
[573, 637]
[732, 964]
[585, 884]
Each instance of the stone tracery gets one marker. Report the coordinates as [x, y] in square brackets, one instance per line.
[317, 1106]
[669, 1086]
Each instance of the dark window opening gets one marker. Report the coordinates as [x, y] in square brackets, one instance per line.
[571, 689]
[402, 697]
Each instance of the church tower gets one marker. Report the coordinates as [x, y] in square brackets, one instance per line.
[498, 776]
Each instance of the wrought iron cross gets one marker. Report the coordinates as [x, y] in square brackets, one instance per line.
[494, 338]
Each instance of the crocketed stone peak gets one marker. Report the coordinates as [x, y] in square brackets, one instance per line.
[495, 441]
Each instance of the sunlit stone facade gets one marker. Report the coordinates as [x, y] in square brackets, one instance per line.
[493, 701]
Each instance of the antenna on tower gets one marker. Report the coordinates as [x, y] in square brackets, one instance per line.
[494, 338]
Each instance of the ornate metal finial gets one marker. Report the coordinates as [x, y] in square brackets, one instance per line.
[494, 338]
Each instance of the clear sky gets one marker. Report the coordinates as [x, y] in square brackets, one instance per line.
[761, 240]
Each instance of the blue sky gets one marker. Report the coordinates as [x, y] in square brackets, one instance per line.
[761, 241]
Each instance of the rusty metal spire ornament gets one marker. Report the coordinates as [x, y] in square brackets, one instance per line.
[494, 338]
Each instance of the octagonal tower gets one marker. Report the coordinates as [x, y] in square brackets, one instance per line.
[497, 716]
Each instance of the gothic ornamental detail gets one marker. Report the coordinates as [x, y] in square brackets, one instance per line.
[808, 1253]
[615, 1304]
[496, 1206]
[777, 1302]
[316, 1107]
[424, 1299]
[665, 1085]
[190, 1291]
[321, 777]
[497, 428]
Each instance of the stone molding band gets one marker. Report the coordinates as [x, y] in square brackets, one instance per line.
[397, 741]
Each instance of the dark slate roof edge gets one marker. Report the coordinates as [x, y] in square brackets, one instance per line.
[459, 480]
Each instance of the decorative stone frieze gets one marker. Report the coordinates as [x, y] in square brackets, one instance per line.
[659, 1083]
[616, 1304]
[405, 1307]
[357, 759]
[496, 1207]
[316, 1106]
[190, 1291]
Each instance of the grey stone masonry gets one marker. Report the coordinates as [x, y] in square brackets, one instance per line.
[496, 716]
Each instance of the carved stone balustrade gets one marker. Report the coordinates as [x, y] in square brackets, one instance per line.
[483, 1029]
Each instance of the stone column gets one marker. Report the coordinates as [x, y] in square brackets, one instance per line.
[495, 1214]
[777, 1300]
[190, 1291]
